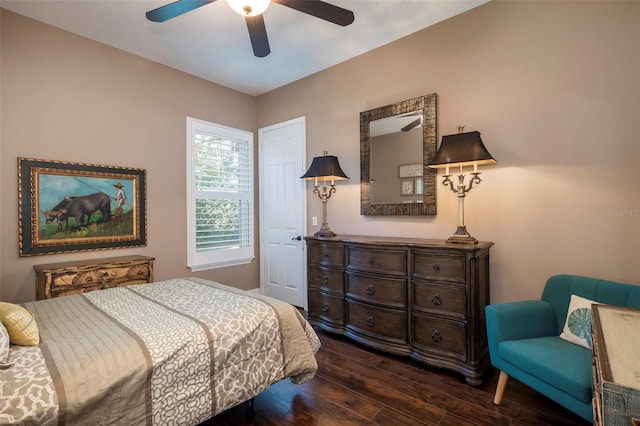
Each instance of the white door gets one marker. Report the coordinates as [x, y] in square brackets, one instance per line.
[282, 211]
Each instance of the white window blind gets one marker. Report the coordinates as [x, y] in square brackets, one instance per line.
[220, 187]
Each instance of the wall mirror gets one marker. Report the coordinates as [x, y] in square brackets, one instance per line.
[397, 142]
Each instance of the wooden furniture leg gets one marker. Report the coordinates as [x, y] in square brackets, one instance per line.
[250, 410]
[502, 383]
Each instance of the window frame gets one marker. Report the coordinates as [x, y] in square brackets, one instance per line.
[211, 259]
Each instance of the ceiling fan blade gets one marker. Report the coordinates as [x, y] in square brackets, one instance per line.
[320, 9]
[258, 36]
[415, 123]
[174, 9]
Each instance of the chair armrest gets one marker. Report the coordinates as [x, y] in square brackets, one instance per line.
[519, 320]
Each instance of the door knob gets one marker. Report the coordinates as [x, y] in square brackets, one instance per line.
[299, 238]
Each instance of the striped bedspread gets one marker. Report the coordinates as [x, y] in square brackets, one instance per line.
[171, 352]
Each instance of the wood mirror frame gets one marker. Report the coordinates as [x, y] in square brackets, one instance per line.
[427, 104]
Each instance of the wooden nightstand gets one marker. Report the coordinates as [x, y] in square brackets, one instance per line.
[616, 365]
[65, 278]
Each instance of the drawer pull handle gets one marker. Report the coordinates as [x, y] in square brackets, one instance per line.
[325, 308]
[325, 280]
[370, 290]
[370, 321]
[371, 260]
[435, 336]
[436, 267]
[437, 300]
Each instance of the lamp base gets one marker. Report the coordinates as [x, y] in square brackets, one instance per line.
[461, 236]
[325, 231]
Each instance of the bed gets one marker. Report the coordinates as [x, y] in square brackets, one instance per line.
[170, 352]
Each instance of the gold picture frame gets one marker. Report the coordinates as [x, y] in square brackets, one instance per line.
[69, 207]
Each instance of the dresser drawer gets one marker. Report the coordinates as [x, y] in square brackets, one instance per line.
[439, 266]
[326, 307]
[326, 254]
[439, 335]
[331, 280]
[391, 292]
[439, 298]
[388, 262]
[381, 323]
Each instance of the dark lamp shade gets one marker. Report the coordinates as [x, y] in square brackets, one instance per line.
[326, 168]
[462, 149]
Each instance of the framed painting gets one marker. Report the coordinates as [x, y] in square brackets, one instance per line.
[410, 170]
[70, 207]
[407, 187]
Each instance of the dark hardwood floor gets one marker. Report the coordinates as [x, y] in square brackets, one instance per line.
[358, 386]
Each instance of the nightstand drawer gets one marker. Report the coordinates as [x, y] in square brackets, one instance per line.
[98, 278]
[66, 278]
[388, 262]
[391, 292]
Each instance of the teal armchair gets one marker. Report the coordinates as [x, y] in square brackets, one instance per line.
[524, 340]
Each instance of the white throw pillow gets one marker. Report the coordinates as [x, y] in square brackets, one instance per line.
[577, 327]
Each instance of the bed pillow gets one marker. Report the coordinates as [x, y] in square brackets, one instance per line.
[577, 327]
[20, 324]
[5, 344]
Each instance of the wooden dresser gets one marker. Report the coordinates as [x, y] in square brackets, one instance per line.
[616, 366]
[419, 298]
[64, 278]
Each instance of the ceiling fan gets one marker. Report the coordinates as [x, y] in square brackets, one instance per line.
[412, 125]
[252, 11]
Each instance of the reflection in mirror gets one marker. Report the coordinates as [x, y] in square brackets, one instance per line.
[396, 143]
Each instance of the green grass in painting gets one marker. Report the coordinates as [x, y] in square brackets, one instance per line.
[123, 226]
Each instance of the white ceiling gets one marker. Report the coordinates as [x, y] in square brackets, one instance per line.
[212, 42]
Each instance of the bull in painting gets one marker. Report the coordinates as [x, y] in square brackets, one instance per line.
[78, 207]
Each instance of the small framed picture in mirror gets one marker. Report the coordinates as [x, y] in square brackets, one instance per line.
[410, 170]
[408, 187]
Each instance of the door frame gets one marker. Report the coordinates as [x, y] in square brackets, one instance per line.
[261, 131]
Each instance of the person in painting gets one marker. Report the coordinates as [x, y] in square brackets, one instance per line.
[121, 197]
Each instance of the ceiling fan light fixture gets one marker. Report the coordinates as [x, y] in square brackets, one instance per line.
[249, 7]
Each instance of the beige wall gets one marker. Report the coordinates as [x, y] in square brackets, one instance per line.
[554, 88]
[68, 98]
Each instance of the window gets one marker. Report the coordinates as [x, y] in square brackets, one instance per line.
[219, 195]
